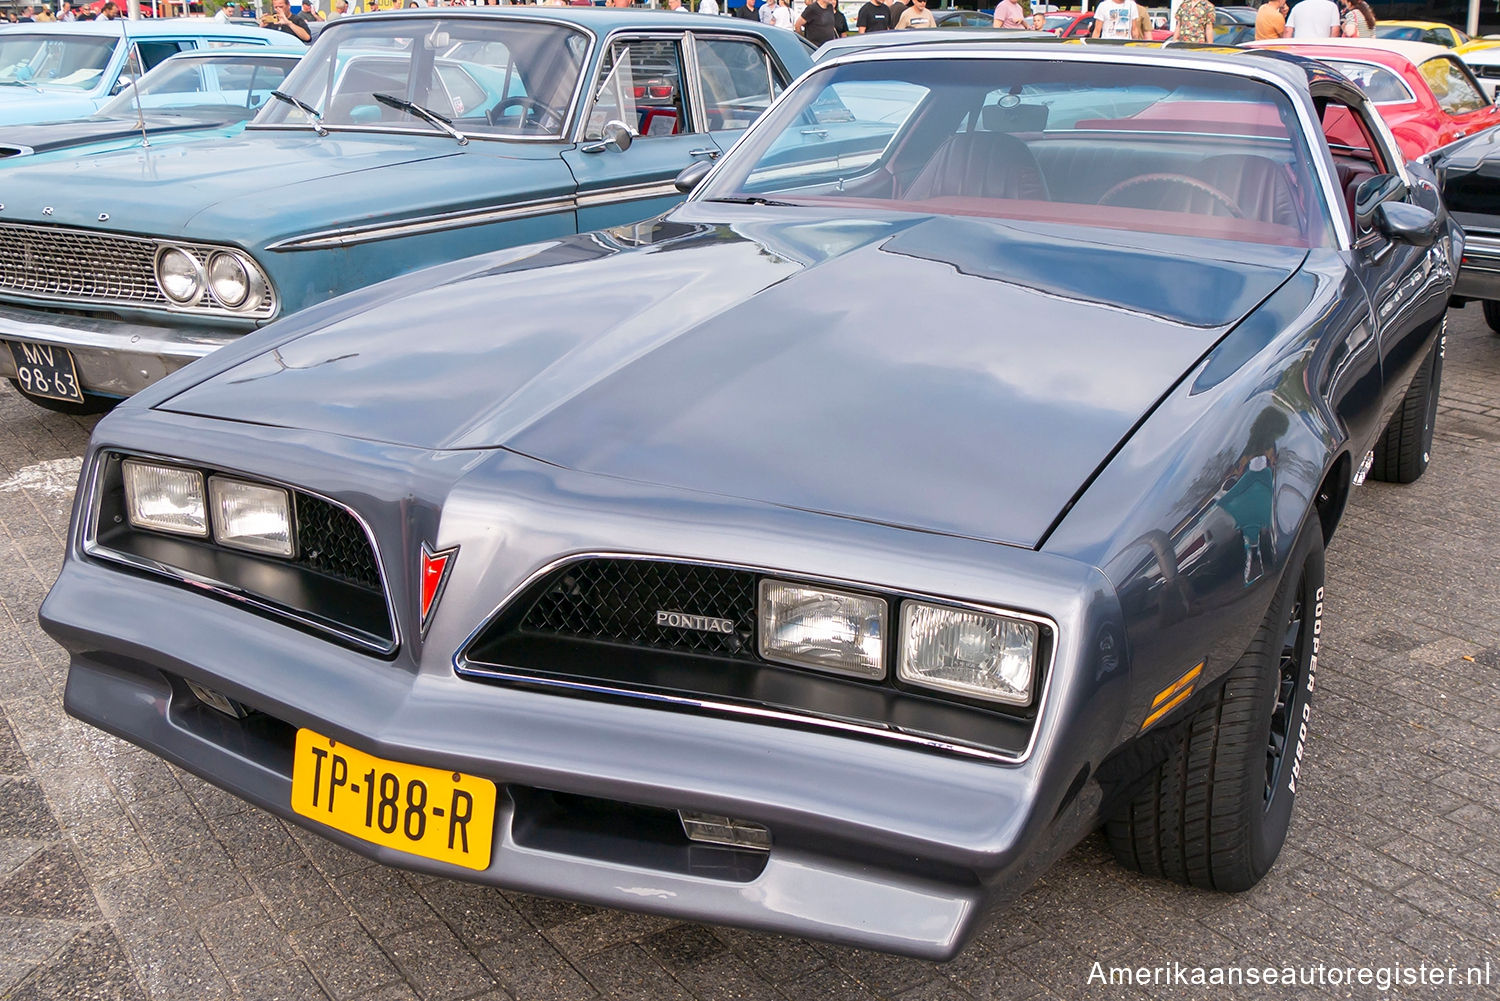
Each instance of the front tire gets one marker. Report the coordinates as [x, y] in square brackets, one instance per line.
[1492, 313]
[1402, 454]
[1216, 813]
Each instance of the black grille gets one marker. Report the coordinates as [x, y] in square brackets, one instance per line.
[617, 601]
[334, 544]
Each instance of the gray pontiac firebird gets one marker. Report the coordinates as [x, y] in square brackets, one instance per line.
[948, 477]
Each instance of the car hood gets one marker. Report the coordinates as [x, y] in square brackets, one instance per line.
[23, 106]
[44, 137]
[241, 189]
[954, 375]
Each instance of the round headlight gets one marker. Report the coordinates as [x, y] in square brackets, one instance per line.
[228, 280]
[180, 277]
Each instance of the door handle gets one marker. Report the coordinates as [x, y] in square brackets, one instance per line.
[712, 154]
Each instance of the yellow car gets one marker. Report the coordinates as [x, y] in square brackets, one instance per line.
[1431, 32]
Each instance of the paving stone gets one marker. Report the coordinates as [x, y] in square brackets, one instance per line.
[283, 982]
[51, 884]
[26, 813]
[93, 967]
[256, 840]
[242, 937]
[532, 969]
[35, 940]
[345, 958]
[12, 761]
[437, 965]
[173, 963]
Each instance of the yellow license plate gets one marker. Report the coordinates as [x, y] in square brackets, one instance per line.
[442, 815]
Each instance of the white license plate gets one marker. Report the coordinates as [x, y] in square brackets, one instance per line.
[46, 370]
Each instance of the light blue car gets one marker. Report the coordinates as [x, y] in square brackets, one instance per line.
[59, 71]
[202, 94]
[402, 139]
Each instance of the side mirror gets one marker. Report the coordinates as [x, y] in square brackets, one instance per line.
[1374, 192]
[120, 84]
[1405, 223]
[691, 175]
[615, 135]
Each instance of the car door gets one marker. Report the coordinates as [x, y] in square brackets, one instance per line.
[1464, 106]
[641, 84]
[1397, 277]
[736, 80]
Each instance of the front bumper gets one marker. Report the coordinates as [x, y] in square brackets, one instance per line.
[1479, 272]
[113, 357]
[875, 845]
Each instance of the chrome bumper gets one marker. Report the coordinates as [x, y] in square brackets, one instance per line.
[1479, 273]
[113, 357]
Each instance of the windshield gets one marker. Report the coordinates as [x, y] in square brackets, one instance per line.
[216, 89]
[68, 63]
[491, 77]
[1124, 146]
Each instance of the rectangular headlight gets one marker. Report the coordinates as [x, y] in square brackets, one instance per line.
[164, 498]
[252, 516]
[824, 630]
[969, 653]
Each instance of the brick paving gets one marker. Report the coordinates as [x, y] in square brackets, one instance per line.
[124, 878]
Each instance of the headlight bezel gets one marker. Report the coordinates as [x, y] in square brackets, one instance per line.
[259, 300]
[200, 278]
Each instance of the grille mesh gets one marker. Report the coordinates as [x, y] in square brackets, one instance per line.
[617, 600]
[333, 543]
[78, 265]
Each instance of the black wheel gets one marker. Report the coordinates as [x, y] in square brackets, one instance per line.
[91, 404]
[1403, 451]
[1492, 314]
[1216, 813]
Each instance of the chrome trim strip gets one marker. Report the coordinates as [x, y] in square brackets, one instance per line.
[1203, 63]
[348, 236]
[464, 668]
[627, 193]
[90, 545]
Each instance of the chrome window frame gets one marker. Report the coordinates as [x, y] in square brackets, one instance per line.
[464, 668]
[1411, 95]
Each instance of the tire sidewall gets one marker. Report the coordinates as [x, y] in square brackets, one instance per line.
[1270, 821]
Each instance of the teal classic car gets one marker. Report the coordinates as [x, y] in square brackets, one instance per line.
[203, 94]
[402, 139]
[58, 71]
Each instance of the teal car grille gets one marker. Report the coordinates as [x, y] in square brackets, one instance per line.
[80, 266]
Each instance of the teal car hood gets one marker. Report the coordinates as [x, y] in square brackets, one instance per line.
[252, 189]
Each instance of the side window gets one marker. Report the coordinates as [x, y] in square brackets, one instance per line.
[738, 82]
[640, 84]
[152, 53]
[1451, 86]
[251, 83]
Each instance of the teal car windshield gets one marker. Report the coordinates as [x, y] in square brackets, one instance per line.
[52, 61]
[492, 77]
[216, 87]
[1142, 147]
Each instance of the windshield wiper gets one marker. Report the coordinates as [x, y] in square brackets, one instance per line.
[426, 114]
[750, 200]
[313, 118]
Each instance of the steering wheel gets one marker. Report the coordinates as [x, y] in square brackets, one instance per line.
[531, 111]
[1183, 179]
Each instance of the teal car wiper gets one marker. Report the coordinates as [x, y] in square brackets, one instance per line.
[426, 114]
[750, 200]
[313, 117]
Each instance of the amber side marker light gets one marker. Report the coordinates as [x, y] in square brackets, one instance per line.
[1173, 695]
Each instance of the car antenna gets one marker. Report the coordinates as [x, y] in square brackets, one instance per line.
[133, 54]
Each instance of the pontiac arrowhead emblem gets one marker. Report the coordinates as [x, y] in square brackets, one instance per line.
[435, 567]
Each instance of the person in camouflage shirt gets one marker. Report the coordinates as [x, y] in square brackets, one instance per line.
[1195, 21]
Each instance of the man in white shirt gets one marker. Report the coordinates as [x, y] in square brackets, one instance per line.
[1117, 19]
[709, 7]
[1315, 19]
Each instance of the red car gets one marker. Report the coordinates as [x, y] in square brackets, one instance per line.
[1424, 92]
[1070, 24]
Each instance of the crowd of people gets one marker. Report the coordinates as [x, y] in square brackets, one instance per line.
[821, 20]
